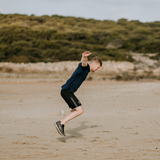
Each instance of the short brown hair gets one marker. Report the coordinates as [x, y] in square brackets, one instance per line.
[98, 60]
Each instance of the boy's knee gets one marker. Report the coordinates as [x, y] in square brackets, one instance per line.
[80, 110]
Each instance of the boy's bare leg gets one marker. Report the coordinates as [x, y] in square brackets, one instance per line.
[72, 114]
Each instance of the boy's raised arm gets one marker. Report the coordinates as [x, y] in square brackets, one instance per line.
[84, 59]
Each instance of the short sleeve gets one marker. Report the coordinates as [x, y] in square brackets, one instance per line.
[86, 67]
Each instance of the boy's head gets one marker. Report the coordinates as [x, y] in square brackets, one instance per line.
[95, 64]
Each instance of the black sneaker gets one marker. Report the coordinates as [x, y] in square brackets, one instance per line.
[60, 128]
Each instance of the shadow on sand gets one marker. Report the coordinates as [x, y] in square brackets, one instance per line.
[74, 133]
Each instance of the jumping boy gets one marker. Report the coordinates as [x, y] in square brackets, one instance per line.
[72, 85]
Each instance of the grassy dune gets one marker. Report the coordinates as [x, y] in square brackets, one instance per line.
[56, 38]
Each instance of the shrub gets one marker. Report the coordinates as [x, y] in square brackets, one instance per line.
[56, 38]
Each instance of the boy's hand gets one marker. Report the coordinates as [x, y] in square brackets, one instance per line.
[86, 53]
[85, 58]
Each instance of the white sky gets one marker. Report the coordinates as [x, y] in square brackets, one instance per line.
[142, 10]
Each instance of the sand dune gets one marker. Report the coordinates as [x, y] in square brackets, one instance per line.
[143, 68]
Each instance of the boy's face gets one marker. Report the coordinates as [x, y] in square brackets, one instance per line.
[95, 67]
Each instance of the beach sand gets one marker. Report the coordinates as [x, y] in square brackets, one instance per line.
[121, 121]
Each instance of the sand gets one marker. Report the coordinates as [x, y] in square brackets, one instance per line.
[121, 121]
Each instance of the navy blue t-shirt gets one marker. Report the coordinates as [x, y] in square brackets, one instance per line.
[77, 78]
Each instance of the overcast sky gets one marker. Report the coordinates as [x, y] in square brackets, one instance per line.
[142, 10]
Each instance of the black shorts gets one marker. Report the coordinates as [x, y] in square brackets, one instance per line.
[70, 98]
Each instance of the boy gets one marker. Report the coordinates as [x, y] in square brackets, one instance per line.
[72, 85]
